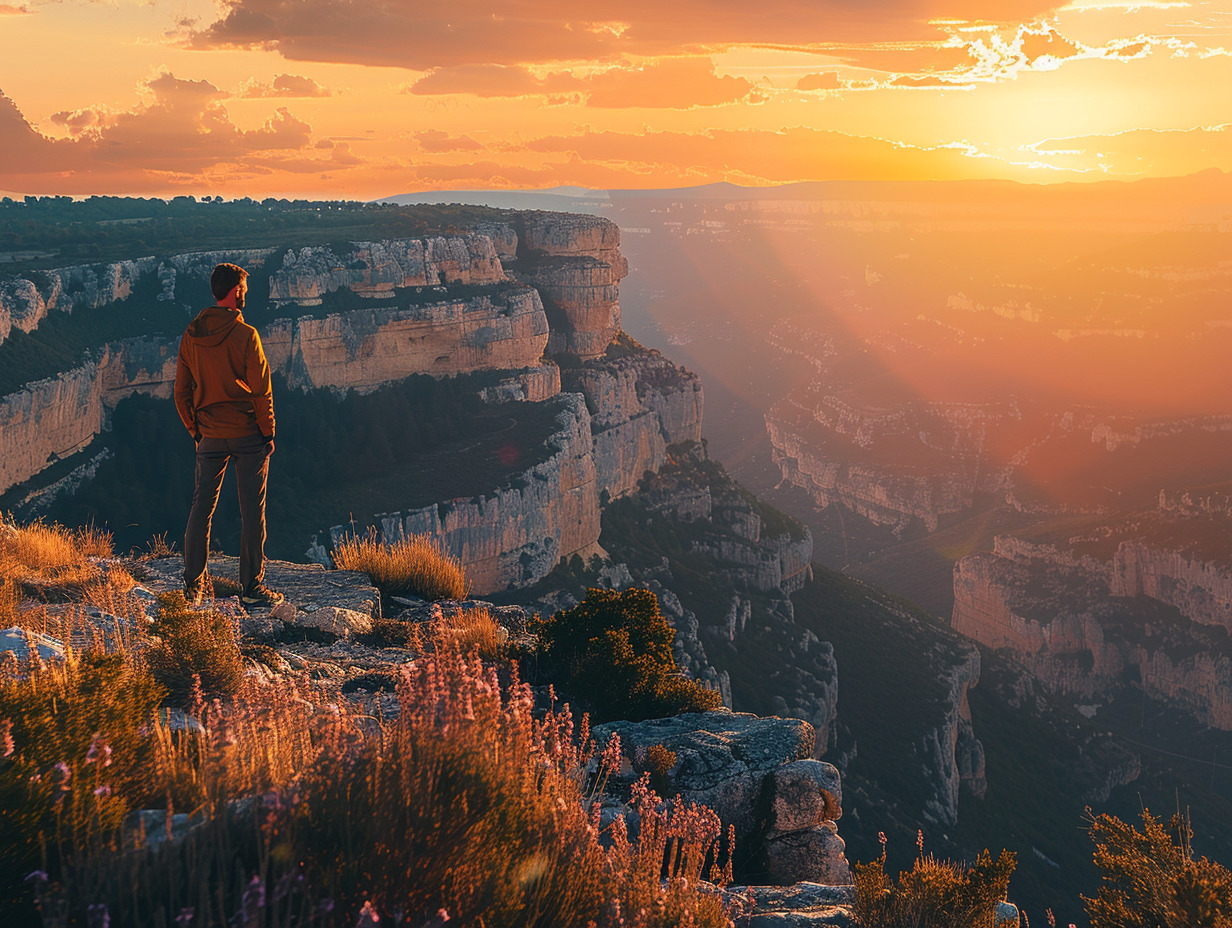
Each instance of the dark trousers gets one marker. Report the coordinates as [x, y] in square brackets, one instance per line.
[251, 471]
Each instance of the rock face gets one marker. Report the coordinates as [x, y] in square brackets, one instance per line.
[25, 302]
[54, 418]
[373, 269]
[575, 264]
[363, 349]
[891, 465]
[758, 775]
[640, 403]
[1085, 627]
[517, 534]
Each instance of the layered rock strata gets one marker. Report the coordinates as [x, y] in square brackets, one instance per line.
[641, 403]
[576, 264]
[1080, 626]
[378, 269]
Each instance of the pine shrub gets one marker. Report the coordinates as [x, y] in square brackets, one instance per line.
[613, 651]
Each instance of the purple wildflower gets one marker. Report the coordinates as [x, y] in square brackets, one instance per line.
[367, 917]
[99, 751]
[97, 916]
[103, 791]
[65, 774]
[184, 919]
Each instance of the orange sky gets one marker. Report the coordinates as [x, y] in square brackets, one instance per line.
[358, 99]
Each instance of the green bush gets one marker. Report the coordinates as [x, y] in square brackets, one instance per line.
[613, 652]
[932, 894]
[193, 642]
[1150, 880]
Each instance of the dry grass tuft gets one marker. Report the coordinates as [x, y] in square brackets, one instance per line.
[471, 630]
[414, 565]
[51, 561]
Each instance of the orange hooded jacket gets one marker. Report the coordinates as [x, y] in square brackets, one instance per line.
[222, 380]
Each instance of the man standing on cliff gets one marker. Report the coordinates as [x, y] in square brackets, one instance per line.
[224, 397]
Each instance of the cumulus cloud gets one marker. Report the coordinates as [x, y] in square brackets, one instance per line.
[7, 9]
[436, 141]
[182, 129]
[663, 83]
[283, 85]
[411, 34]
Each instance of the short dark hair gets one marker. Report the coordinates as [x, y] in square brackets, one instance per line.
[225, 278]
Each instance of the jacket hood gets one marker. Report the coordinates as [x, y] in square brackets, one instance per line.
[213, 324]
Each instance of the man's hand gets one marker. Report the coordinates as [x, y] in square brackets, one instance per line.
[269, 445]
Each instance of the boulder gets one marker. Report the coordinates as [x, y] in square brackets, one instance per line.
[19, 641]
[336, 620]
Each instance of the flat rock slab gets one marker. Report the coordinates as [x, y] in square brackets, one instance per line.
[307, 587]
[812, 905]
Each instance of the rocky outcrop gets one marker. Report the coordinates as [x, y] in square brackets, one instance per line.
[1085, 627]
[758, 775]
[378, 269]
[640, 404]
[514, 535]
[575, 264]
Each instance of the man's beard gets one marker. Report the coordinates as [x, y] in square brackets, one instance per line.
[239, 302]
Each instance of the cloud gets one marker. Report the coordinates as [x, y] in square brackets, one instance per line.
[826, 80]
[7, 9]
[414, 35]
[1144, 152]
[182, 129]
[664, 83]
[284, 85]
[436, 141]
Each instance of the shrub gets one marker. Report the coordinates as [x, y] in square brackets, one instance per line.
[79, 749]
[659, 763]
[615, 650]
[1150, 879]
[932, 894]
[194, 645]
[414, 565]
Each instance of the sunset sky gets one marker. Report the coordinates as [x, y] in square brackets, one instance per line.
[362, 99]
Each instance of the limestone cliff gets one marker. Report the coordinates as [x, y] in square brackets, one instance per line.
[375, 269]
[1085, 627]
[576, 265]
[831, 453]
[515, 535]
[640, 403]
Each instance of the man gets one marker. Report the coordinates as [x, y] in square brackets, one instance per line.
[224, 397]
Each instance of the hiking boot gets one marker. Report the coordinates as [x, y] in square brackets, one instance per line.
[194, 594]
[260, 595]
